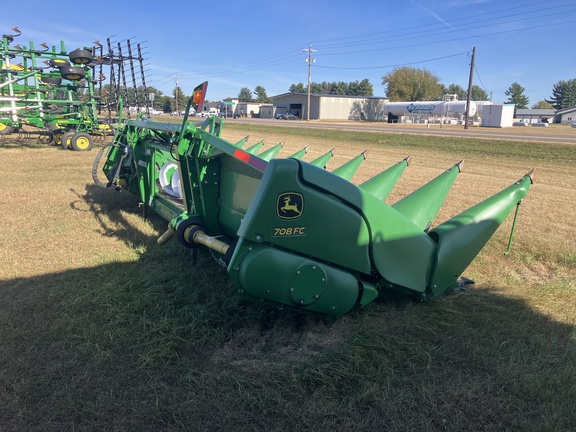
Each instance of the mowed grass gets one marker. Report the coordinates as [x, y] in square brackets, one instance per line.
[104, 330]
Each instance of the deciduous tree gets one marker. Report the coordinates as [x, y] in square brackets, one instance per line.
[245, 95]
[411, 84]
[542, 105]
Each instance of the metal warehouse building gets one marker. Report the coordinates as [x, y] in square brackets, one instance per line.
[331, 107]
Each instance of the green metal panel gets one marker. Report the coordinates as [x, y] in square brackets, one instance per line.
[255, 148]
[271, 153]
[348, 170]
[399, 250]
[299, 154]
[461, 238]
[292, 212]
[285, 279]
[238, 185]
[382, 184]
[422, 205]
[321, 161]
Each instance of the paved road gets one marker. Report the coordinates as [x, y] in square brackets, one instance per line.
[539, 135]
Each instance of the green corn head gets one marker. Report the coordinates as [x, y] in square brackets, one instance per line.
[290, 233]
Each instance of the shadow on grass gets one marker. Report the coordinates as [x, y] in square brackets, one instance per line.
[160, 344]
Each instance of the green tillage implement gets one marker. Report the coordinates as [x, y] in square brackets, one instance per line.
[49, 89]
[292, 234]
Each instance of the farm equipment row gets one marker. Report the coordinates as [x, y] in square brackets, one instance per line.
[291, 233]
[60, 93]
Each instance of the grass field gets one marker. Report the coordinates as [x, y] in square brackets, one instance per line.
[104, 330]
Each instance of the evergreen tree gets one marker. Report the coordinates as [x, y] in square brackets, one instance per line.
[516, 96]
[457, 90]
[360, 88]
[297, 88]
[355, 88]
[563, 94]
[179, 100]
[479, 94]
[261, 95]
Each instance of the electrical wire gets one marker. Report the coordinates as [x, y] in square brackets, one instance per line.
[395, 65]
[288, 55]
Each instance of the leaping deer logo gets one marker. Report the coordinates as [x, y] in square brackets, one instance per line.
[292, 207]
[289, 207]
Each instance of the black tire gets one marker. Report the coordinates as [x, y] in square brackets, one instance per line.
[50, 137]
[58, 63]
[50, 80]
[72, 73]
[5, 129]
[82, 141]
[81, 57]
[57, 137]
[66, 139]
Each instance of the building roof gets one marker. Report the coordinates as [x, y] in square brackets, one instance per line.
[327, 95]
[566, 110]
[535, 112]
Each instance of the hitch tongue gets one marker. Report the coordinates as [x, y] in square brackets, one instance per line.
[168, 234]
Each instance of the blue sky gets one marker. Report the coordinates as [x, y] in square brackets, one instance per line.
[236, 44]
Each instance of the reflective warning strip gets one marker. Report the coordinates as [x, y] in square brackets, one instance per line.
[251, 160]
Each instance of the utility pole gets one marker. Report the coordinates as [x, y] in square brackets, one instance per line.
[176, 93]
[309, 60]
[469, 88]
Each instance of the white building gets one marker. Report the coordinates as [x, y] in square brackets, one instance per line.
[331, 107]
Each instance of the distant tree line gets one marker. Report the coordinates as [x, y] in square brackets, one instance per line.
[354, 88]
[413, 84]
[402, 84]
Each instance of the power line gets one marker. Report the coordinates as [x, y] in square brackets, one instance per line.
[483, 25]
[394, 65]
[480, 79]
[409, 33]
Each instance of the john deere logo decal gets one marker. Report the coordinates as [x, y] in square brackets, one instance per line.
[290, 205]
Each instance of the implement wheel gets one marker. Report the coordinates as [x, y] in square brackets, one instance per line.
[58, 63]
[56, 137]
[81, 57]
[72, 73]
[66, 138]
[5, 129]
[50, 80]
[82, 141]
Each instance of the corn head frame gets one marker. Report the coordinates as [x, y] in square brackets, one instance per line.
[291, 233]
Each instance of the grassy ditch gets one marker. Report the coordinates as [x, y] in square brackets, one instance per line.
[104, 330]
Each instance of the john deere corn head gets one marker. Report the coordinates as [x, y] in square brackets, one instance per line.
[291, 233]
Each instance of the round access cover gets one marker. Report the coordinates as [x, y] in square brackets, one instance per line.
[307, 285]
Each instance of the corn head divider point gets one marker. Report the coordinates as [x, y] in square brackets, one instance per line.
[291, 233]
